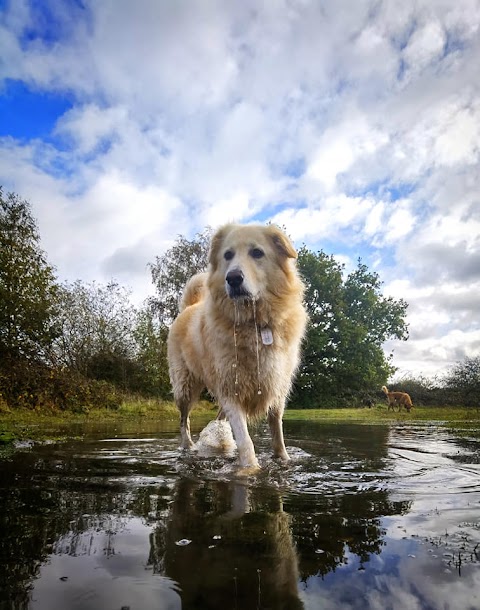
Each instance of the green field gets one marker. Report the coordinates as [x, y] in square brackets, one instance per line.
[38, 425]
[380, 414]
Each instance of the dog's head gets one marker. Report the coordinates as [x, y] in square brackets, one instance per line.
[249, 261]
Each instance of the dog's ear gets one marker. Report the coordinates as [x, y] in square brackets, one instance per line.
[216, 244]
[281, 242]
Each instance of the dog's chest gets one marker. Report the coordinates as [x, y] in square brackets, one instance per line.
[250, 340]
[251, 354]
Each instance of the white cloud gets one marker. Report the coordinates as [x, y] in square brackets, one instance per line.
[233, 209]
[354, 126]
[327, 217]
[89, 125]
[443, 321]
[400, 223]
[459, 139]
[425, 46]
[340, 146]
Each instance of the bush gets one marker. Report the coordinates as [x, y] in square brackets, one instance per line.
[460, 387]
[4, 408]
[32, 385]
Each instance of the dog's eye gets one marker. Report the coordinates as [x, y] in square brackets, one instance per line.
[256, 253]
[229, 254]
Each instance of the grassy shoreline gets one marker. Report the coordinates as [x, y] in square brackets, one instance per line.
[381, 415]
[43, 424]
[39, 425]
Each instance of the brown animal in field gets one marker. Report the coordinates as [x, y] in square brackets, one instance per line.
[400, 399]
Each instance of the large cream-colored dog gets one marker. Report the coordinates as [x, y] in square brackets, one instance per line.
[239, 332]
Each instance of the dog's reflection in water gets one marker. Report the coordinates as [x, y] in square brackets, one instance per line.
[237, 549]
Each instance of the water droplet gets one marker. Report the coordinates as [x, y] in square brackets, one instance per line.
[183, 542]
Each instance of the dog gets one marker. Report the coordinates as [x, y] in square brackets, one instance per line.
[369, 402]
[402, 399]
[239, 332]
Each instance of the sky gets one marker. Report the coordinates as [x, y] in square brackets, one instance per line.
[353, 124]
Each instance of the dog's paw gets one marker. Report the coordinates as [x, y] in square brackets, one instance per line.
[248, 470]
[281, 456]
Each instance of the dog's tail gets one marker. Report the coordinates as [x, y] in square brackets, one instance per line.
[193, 291]
[385, 389]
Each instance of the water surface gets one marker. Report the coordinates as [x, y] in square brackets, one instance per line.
[363, 517]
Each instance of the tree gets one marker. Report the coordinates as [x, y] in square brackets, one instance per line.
[463, 382]
[97, 331]
[151, 355]
[323, 287]
[171, 272]
[27, 285]
[349, 321]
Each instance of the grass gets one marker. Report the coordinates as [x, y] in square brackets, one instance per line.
[41, 425]
[21, 424]
[380, 414]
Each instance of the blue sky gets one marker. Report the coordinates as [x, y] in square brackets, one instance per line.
[356, 125]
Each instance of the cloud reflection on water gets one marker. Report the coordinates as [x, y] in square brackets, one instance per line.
[358, 519]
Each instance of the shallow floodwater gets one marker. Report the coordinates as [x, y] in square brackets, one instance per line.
[363, 517]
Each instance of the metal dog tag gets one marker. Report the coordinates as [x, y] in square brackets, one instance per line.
[267, 336]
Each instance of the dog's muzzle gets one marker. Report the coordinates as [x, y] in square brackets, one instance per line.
[235, 285]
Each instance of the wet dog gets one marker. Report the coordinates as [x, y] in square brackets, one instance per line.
[239, 332]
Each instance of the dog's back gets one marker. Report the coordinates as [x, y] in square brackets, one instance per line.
[194, 291]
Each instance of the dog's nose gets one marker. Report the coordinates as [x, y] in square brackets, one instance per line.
[234, 278]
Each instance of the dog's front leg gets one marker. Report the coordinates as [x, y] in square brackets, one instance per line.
[238, 423]
[184, 405]
[276, 430]
[187, 442]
